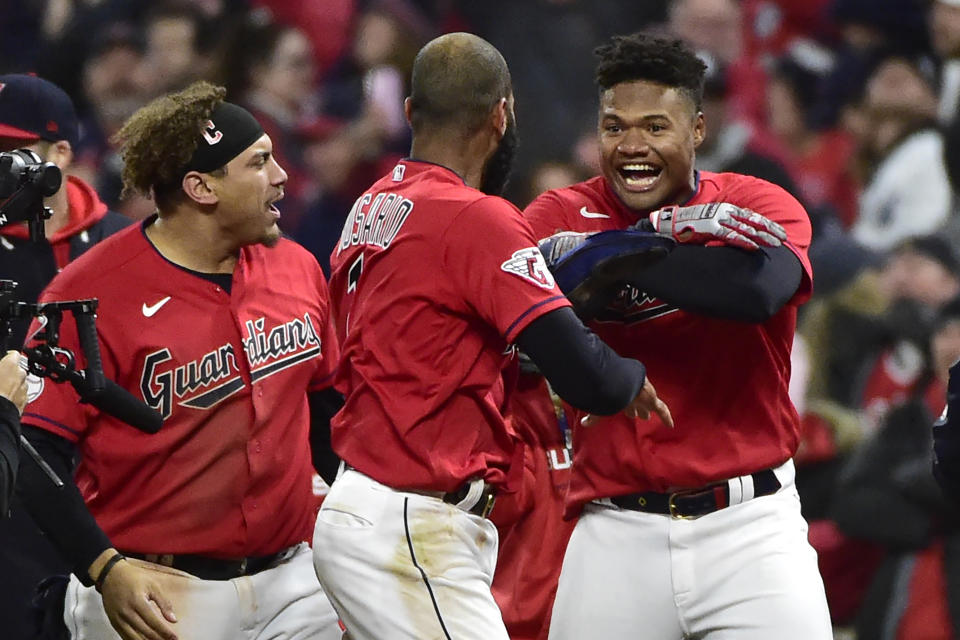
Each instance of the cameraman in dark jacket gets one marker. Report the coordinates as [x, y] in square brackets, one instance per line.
[38, 115]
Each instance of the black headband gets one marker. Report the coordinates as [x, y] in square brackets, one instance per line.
[229, 131]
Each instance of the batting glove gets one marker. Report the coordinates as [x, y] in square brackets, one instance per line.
[730, 224]
[559, 244]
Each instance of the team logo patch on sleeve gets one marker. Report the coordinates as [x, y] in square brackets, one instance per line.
[529, 264]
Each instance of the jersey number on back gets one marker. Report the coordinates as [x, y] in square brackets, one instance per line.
[353, 274]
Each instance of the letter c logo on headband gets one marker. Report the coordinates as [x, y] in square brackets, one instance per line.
[217, 135]
[235, 130]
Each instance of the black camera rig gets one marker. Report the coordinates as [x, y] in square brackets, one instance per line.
[24, 181]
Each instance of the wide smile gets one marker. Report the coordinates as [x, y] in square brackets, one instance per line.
[640, 176]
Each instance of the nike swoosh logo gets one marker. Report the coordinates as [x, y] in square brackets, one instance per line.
[592, 214]
[152, 309]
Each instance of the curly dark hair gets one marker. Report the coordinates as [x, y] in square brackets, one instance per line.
[157, 142]
[640, 56]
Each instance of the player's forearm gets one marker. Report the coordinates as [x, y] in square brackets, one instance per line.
[580, 367]
[9, 451]
[60, 512]
[723, 282]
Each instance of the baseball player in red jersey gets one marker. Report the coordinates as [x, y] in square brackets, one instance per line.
[221, 326]
[533, 533]
[432, 281]
[693, 531]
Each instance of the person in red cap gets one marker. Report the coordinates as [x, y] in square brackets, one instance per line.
[38, 115]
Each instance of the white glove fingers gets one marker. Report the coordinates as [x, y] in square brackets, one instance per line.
[752, 234]
[756, 234]
[767, 240]
[737, 239]
[761, 222]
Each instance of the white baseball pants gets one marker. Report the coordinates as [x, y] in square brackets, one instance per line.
[746, 572]
[403, 566]
[285, 601]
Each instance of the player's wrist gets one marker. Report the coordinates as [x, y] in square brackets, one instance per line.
[108, 566]
[96, 567]
[661, 220]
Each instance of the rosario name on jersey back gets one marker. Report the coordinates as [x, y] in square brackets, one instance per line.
[431, 282]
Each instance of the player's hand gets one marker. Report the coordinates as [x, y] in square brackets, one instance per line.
[559, 244]
[13, 380]
[642, 406]
[135, 604]
[730, 224]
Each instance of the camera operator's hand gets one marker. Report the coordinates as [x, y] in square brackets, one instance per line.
[13, 380]
[133, 600]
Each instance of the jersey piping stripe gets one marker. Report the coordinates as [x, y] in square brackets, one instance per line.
[213, 396]
[529, 311]
[426, 581]
[279, 365]
[37, 416]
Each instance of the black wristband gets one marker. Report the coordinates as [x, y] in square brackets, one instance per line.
[114, 559]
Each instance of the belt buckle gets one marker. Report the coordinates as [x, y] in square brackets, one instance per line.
[491, 498]
[242, 570]
[673, 507]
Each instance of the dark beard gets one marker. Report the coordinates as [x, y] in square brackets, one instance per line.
[496, 174]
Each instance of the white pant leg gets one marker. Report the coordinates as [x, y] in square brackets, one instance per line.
[746, 572]
[402, 566]
[754, 573]
[284, 601]
[616, 580]
[291, 602]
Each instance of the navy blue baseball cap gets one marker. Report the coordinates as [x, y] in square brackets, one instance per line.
[32, 108]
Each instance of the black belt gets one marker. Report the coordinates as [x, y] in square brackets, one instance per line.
[693, 503]
[483, 505]
[208, 568]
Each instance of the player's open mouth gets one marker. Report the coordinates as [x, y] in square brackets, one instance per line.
[640, 176]
[273, 207]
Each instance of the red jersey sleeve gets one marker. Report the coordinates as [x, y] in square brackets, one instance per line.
[57, 407]
[492, 257]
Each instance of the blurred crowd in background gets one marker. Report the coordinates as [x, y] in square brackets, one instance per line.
[850, 105]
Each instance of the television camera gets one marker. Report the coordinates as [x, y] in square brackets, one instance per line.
[24, 181]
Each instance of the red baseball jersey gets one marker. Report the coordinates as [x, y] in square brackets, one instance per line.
[430, 282]
[533, 533]
[229, 474]
[725, 382]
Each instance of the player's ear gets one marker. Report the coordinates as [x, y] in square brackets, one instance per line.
[408, 110]
[498, 117]
[699, 129]
[60, 154]
[198, 188]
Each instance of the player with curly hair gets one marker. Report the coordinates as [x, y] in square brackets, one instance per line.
[696, 531]
[222, 326]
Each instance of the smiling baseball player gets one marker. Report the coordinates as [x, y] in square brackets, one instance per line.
[433, 279]
[694, 531]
